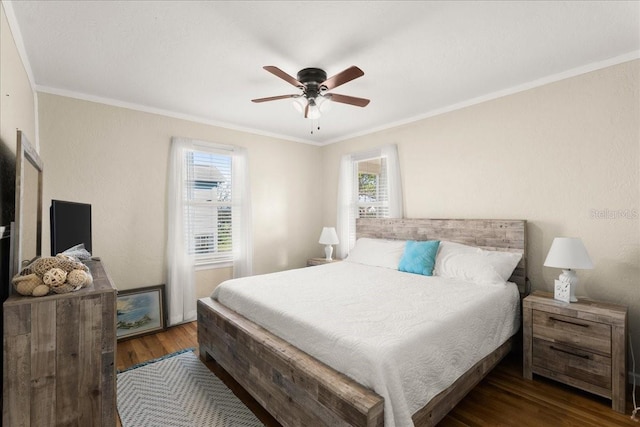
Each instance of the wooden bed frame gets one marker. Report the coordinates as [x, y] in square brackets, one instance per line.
[299, 390]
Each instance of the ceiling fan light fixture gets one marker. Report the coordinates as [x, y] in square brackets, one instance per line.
[299, 104]
[324, 104]
[317, 106]
[314, 110]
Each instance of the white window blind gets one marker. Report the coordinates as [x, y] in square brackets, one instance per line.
[373, 188]
[208, 205]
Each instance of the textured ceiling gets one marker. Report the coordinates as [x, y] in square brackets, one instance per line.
[203, 60]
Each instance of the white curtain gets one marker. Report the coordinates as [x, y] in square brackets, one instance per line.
[180, 289]
[348, 192]
[394, 180]
[346, 205]
[242, 230]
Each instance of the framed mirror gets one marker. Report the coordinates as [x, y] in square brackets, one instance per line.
[27, 233]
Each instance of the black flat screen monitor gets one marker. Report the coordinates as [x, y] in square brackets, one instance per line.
[70, 225]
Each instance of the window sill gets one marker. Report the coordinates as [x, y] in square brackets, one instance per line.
[211, 265]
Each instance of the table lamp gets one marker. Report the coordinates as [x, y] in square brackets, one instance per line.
[328, 237]
[568, 253]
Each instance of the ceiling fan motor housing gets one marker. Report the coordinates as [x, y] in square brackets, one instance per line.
[312, 79]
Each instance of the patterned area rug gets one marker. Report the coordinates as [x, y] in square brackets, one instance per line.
[179, 391]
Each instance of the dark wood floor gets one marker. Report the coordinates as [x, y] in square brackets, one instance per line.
[503, 398]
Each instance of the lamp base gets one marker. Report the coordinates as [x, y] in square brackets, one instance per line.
[569, 276]
[328, 251]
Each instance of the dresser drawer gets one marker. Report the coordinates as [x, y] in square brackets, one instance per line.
[582, 334]
[573, 363]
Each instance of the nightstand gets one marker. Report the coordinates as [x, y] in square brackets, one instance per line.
[582, 344]
[320, 261]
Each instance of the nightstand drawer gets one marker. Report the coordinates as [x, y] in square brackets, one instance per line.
[572, 364]
[583, 334]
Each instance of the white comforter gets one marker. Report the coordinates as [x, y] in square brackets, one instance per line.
[405, 336]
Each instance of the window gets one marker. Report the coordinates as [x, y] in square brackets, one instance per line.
[208, 218]
[208, 206]
[373, 197]
[369, 187]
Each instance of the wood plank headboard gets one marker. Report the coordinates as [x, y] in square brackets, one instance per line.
[490, 234]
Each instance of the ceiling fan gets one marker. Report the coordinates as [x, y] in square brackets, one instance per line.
[315, 86]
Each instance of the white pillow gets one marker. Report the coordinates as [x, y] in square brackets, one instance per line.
[377, 252]
[458, 261]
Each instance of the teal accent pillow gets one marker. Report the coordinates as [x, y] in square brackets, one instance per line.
[419, 257]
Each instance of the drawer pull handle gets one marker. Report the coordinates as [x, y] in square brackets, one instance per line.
[582, 356]
[566, 321]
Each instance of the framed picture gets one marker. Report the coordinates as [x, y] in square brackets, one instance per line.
[140, 311]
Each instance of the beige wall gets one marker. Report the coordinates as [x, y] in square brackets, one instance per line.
[17, 109]
[558, 156]
[116, 159]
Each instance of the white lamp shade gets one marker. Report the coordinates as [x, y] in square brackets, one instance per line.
[314, 111]
[324, 104]
[568, 253]
[299, 103]
[328, 236]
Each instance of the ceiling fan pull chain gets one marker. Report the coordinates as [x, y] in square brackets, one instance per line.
[315, 123]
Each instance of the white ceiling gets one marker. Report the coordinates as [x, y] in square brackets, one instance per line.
[203, 60]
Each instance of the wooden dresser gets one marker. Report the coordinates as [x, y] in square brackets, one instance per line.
[59, 357]
[582, 344]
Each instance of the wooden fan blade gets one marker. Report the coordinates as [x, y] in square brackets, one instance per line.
[284, 76]
[343, 77]
[351, 100]
[274, 98]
